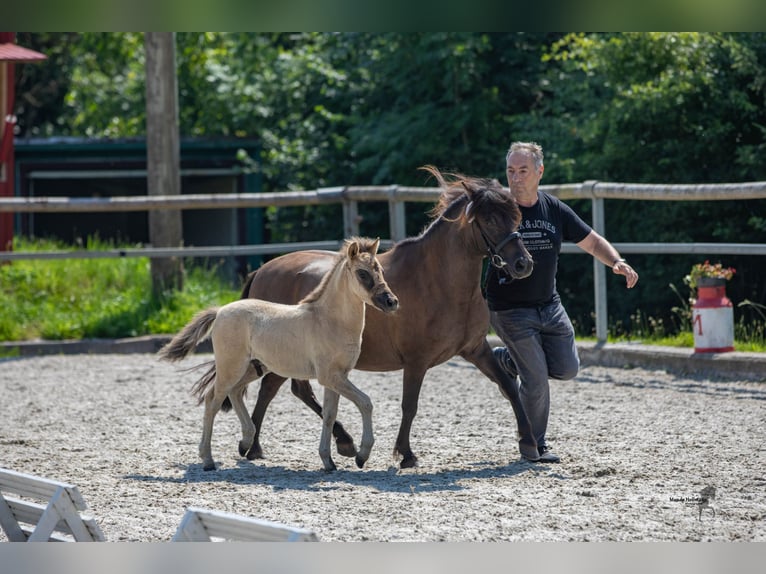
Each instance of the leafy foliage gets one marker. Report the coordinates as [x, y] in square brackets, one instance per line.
[370, 108]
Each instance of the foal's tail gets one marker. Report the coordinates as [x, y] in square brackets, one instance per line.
[189, 337]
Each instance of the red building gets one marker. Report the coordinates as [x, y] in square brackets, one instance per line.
[10, 55]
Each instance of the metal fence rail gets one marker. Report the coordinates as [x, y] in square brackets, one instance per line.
[396, 197]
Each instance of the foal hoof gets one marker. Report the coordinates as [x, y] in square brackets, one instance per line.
[209, 466]
[360, 461]
[330, 466]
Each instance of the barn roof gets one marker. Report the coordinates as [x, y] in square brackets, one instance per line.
[13, 53]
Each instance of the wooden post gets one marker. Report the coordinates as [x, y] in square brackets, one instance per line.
[163, 155]
[599, 270]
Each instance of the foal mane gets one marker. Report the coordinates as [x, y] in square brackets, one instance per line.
[366, 245]
[487, 196]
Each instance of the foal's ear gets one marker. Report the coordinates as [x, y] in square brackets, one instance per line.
[353, 249]
[375, 246]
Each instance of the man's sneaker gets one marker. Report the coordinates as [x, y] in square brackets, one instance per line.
[546, 455]
[503, 357]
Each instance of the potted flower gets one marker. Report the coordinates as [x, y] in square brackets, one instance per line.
[712, 311]
[708, 275]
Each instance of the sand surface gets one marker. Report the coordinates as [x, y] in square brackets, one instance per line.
[637, 448]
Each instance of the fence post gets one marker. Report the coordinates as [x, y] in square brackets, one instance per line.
[396, 215]
[163, 154]
[350, 216]
[599, 270]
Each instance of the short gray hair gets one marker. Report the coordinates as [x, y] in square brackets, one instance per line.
[530, 148]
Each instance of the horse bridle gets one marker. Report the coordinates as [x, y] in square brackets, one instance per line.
[495, 259]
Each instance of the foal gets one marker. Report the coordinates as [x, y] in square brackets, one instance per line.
[319, 338]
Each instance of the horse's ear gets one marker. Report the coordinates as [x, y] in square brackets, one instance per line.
[353, 249]
[375, 246]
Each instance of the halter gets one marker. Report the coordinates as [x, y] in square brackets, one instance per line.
[495, 259]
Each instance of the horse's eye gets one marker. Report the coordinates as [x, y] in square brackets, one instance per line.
[364, 278]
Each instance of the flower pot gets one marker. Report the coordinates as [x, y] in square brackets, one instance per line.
[712, 317]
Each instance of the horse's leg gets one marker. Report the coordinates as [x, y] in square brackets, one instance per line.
[343, 441]
[248, 428]
[212, 406]
[364, 404]
[412, 380]
[484, 360]
[330, 411]
[347, 389]
[270, 384]
[229, 370]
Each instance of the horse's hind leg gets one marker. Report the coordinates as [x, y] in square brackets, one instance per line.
[412, 381]
[330, 412]
[229, 371]
[270, 384]
[212, 406]
[248, 428]
[343, 441]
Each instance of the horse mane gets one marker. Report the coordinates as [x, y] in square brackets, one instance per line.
[488, 197]
[366, 245]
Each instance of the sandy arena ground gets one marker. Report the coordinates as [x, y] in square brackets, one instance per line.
[637, 448]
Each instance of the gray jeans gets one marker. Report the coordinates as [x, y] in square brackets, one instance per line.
[541, 342]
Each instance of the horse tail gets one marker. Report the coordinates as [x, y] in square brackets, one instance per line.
[190, 336]
[200, 387]
[248, 283]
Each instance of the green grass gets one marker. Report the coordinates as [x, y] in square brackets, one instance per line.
[91, 298]
[112, 298]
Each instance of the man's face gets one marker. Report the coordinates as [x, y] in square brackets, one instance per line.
[521, 172]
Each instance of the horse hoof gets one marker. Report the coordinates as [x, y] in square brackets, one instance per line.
[409, 462]
[210, 466]
[360, 461]
[330, 467]
[254, 453]
[346, 448]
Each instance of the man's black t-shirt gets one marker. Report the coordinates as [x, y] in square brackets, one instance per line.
[543, 227]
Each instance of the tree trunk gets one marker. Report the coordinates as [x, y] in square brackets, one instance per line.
[163, 155]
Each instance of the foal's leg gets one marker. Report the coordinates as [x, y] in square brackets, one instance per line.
[343, 441]
[330, 411]
[226, 378]
[270, 384]
[212, 406]
[346, 388]
[248, 428]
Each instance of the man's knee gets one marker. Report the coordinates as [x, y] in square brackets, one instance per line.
[565, 372]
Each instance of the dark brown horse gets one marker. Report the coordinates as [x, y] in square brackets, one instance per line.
[442, 312]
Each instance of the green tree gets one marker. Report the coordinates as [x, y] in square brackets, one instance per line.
[661, 108]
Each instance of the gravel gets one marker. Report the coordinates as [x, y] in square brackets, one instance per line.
[637, 446]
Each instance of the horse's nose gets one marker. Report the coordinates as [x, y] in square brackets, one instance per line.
[390, 302]
[523, 266]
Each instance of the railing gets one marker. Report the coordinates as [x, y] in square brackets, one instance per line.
[396, 197]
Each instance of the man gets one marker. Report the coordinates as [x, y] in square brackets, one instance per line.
[527, 314]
